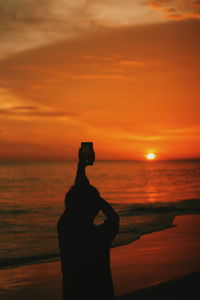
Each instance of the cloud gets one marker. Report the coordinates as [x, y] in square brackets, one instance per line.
[182, 130]
[139, 63]
[98, 76]
[116, 67]
[34, 23]
[163, 134]
[176, 9]
[29, 24]
[34, 111]
[118, 61]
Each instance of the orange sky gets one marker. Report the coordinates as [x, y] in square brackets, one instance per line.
[123, 74]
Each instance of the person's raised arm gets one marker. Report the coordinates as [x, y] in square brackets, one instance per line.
[81, 178]
[108, 210]
[110, 227]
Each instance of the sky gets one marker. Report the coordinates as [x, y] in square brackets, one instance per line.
[122, 74]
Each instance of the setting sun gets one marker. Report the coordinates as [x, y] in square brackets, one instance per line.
[151, 156]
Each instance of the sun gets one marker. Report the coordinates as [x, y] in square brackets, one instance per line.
[151, 156]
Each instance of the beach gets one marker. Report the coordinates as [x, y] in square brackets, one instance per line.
[158, 265]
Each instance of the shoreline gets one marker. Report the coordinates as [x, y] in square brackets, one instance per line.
[149, 263]
[54, 258]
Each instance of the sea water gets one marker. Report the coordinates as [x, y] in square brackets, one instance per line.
[147, 196]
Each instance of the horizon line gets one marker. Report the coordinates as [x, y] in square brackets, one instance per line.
[99, 160]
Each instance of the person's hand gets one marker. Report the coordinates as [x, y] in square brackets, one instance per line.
[82, 160]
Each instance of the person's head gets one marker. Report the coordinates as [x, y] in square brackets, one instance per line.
[82, 202]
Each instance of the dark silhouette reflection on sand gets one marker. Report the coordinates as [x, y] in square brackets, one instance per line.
[85, 247]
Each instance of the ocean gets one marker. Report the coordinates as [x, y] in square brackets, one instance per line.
[147, 195]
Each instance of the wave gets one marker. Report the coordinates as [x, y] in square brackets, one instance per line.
[17, 180]
[179, 207]
[19, 261]
[17, 183]
[126, 236]
[16, 211]
[136, 220]
[135, 233]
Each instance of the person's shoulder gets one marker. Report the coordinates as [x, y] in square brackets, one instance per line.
[92, 187]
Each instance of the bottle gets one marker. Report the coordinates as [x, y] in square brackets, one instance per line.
[88, 152]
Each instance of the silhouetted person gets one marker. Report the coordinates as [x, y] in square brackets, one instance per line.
[85, 247]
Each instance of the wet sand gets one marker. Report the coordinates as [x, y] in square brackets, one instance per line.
[158, 266]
